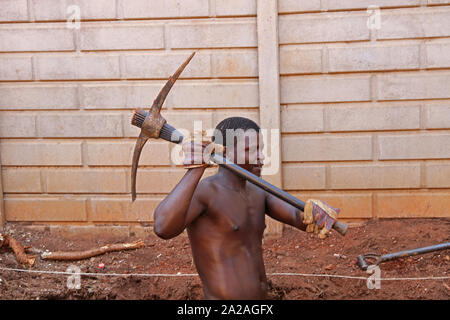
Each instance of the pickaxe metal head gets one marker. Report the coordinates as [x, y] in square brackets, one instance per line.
[153, 125]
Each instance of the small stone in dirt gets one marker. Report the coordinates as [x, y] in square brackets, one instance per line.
[329, 267]
[447, 258]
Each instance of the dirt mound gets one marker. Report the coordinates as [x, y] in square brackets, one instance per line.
[295, 252]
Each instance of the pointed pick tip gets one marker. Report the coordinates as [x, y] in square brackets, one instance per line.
[190, 58]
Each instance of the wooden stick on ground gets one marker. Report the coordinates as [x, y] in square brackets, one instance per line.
[80, 255]
[18, 249]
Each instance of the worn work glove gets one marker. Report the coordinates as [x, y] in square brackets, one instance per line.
[319, 217]
[197, 151]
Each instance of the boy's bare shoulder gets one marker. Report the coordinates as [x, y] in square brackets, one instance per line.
[208, 185]
[213, 184]
[256, 189]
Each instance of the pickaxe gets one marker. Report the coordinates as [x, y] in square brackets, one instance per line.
[153, 125]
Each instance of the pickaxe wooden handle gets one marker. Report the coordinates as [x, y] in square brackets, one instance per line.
[153, 125]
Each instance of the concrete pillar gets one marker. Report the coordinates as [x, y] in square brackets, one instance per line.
[269, 90]
[2, 207]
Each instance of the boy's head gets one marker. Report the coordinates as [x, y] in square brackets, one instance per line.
[243, 142]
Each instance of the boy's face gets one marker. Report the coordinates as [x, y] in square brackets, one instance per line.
[247, 151]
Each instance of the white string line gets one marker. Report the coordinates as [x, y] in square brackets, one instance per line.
[354, 277]
[196, 275]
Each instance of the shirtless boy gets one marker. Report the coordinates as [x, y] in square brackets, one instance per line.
[225, 215]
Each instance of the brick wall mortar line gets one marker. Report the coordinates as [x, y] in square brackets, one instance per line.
[375, 148]
[327, 177]
[326, 125]
[122, 68]
[34, 70]
[128, 181]
[374, 205]
[137, 20]
[37, 127]
[80, 102]
[422, 118]
[374, 87]
[422, 55]
[122, 128]
[423, 174]
[43, 177]
[84, 154]
[125, 196]
[422, 129]
[211, 67]
[124, 122]
[325, 59]
[88, 209]
[2, 206]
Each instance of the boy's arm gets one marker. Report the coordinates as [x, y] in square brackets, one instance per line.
[184, 203]
[180, 207]
[284, 212]
[318, 216]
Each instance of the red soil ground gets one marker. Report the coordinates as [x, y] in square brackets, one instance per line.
[294, 252]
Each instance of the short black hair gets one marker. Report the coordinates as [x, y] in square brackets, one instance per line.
[232, 123]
